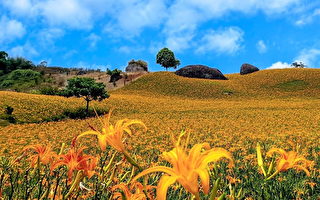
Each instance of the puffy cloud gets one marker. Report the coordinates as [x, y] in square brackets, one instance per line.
[224, 41]
[70, 13]
[311, 57]
[261, 46]
[25, 50]
[130, 18]
[309, 18]
[186, 16]
[47, 37]
[10, 30]
[279, 65]
[179, 43]
[23, 8]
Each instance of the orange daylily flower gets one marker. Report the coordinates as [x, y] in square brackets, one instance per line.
[43, 153]
[75, 160]
[187, 168]
[112, 135]
[137, 195]
[289, 160]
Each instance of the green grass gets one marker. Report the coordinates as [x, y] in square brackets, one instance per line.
[293, 85]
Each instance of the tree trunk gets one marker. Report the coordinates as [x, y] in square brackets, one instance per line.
[87, 110]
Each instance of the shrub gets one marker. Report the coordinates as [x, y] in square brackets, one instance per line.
[6, 83]
[24, 74]
[50, 91]
[9, 110]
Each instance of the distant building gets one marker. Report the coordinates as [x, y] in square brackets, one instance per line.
[298, 64]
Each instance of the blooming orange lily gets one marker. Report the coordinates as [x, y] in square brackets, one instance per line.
[138, 195]
[75, 160]
[43, 154]
[289, 160]
[112, 135]
[187, 168]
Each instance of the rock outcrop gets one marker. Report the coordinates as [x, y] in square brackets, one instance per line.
[137, 66]
[247, 69]
[200, 71]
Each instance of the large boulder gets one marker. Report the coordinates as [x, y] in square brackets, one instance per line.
[200, 71]
[137, 66]
[247, 69]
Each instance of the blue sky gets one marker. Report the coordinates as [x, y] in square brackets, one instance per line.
[109, 33]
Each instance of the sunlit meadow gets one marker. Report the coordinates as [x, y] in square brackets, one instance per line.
[186, 139]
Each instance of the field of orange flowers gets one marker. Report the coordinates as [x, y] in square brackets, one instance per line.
[221, 134]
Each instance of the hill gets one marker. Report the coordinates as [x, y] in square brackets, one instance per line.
[266, 83]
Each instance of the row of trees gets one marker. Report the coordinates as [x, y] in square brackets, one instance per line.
[8, 64]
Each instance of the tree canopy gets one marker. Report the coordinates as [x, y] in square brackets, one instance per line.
[8, 64]
[166, 58]
[86, 88]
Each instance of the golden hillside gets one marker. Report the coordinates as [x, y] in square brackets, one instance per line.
[265, 83]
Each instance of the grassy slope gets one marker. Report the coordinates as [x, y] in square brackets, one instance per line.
[266, 83]
[166, 109]
[168, 104]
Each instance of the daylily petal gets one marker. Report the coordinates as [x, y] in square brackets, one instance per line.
[299, 167]
[155, 169]
[163, 186]
[88, 133]
[205, 180]
[216, 154]
[276, 150]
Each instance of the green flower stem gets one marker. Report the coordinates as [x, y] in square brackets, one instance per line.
[75, 184]
[131, 160]
[273, 175]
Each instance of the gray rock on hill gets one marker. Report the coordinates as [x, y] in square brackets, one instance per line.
[247, 69]
[137, 66]
[200, 71]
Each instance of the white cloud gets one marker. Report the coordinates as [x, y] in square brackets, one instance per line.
[309, 18]
[10, 30]
[280, 65]
[186, 16]
[23, 8]
[70, 13]
[85, 65]
[311, 57]
[136, 16]
[179, 43]
[93, 38]
[261, 46]
[25, 50]
[224, 41]
[47, 37]
[130, 18]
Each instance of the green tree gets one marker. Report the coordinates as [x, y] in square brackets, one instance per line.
[86, 88]
[166, 58]
[114, 75]
[20, 63]
[3, 62]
